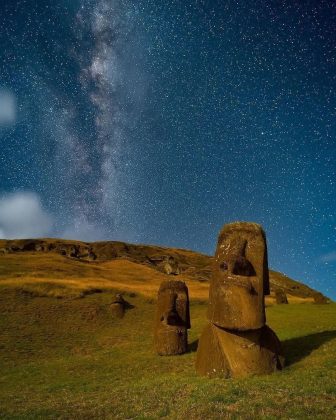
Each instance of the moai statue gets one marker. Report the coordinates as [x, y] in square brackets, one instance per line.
[281, 297]
[237, 341]
[119, 306]
[172, 318]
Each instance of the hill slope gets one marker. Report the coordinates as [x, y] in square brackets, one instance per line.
[59, 267]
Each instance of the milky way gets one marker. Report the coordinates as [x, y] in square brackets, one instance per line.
[158, 122]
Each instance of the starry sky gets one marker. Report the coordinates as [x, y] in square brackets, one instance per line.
[158, 122]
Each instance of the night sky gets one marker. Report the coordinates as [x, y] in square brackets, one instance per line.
[157, 122]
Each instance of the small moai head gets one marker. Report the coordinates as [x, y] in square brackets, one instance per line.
[118, 306]
[240, 278]
[172, 318]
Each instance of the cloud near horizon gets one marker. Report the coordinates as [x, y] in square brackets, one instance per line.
[22, 216]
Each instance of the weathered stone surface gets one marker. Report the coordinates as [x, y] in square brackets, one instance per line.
[229, 353]
[237, 342]
[240, 278]
[281, 297]
[172, 318]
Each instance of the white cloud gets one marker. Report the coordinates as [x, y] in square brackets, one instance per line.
[7, 108]
[22, 216]
[329, 257]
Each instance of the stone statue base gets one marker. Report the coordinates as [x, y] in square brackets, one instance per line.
[226, 353]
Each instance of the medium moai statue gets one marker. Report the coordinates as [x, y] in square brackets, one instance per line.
[237, 341]
[172, 318]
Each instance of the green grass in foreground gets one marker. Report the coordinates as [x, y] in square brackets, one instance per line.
[70, 359]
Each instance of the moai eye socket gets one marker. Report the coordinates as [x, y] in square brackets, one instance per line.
[223, 266]
[243, 267]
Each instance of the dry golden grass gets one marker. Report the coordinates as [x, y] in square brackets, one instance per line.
[117, 265]
[38, 272]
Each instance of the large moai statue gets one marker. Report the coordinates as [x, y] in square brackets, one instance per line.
[172, 318]
[237, 341]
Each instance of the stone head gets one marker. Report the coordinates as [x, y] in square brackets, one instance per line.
[172, 318]
[173, 304]
[239, 278]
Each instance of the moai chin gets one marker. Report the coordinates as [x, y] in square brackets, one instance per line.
[237, 342]
[172, 318]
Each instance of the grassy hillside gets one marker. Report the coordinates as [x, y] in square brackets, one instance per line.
[65, 355]
[69, 358]
[66, 264]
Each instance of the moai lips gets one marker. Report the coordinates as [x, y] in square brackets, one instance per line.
[240, 278]
[237, 342]
[172, 318]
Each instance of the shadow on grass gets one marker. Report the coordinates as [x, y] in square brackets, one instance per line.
[298, 348]
[192, 347]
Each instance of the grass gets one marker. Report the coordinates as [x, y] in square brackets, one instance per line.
[69, 358]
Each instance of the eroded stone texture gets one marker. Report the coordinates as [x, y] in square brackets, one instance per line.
[172, 318]
[237, 341]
